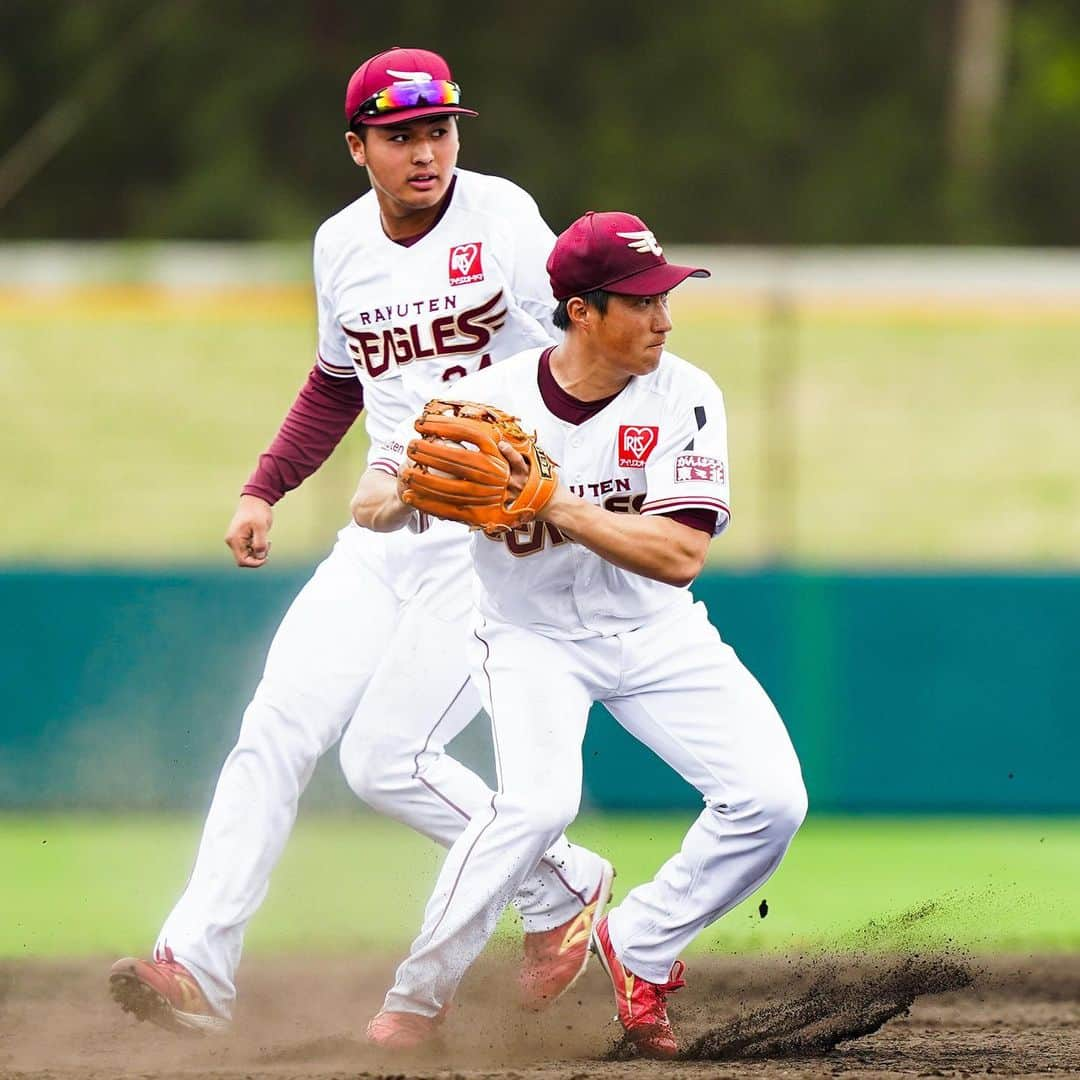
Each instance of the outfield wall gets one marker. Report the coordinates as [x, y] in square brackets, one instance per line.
[902, 692]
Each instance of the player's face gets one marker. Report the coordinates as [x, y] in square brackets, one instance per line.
[632, 332]
[410, 166]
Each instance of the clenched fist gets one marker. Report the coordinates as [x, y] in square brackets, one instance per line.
[247, 536]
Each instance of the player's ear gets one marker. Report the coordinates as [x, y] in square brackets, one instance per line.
[578, 311]
[357, 150]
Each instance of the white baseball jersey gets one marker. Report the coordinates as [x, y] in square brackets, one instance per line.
[409, 321]
[660, 446]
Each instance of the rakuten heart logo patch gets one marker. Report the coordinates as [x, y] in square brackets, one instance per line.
[636, 442]
[466, 264]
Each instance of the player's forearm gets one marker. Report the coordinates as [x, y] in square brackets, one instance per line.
[654, 547]
[376, 504]
[323, 411]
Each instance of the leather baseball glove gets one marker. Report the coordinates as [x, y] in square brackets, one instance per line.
[457, 471]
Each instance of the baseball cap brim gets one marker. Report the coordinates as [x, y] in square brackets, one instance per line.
[654, 280]
[403, 116]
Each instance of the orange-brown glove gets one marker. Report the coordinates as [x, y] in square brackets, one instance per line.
[458, 472]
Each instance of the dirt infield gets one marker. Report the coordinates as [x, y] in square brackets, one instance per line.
[759, 1018]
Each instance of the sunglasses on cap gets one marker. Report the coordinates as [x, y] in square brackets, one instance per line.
[409, 95]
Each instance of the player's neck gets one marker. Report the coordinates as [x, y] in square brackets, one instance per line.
[400, 226]
[582, 376]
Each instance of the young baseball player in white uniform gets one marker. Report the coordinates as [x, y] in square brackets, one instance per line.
[433, 274]
[589, 603]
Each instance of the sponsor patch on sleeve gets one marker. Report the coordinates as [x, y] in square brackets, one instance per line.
[698, 468]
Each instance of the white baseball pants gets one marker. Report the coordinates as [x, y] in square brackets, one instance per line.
[376, 641]
[679, 689]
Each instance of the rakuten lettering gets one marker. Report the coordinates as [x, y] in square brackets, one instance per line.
[413, 307]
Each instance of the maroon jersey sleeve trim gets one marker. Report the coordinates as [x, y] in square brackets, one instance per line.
[336, 370]
[664, 506]
[695, 518]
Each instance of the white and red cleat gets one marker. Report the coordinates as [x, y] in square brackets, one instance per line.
[403, 1030]
[164, 992]
[555, 959]
[642, 1005]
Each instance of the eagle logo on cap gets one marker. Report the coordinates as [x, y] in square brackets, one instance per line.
[642, 241]
[410, 76]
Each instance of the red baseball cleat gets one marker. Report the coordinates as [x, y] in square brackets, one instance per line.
[555, 959]
[402, 1030]
[642, 1005]
[164, 992]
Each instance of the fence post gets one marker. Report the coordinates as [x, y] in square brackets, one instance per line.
[779, 427]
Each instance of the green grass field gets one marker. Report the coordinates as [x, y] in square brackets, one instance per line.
[81, 885]
[945, 438]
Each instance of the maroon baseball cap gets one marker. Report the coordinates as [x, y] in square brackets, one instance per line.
[398, 67]
[613, 251]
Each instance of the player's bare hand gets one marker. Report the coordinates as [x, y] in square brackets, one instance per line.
[519, 470]
[247, 536]
[560, 499]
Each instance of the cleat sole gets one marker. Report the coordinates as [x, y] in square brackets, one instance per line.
[145, 1003]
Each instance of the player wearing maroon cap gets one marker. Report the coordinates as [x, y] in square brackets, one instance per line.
[385, 101]
[434, 273]
[589, 603]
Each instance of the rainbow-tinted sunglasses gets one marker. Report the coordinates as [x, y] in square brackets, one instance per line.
[409, 95]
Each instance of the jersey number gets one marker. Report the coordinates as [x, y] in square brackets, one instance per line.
[531, 538]
[452, 374]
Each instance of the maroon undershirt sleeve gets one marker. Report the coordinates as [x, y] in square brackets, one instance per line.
[696, 518]
[323, 411]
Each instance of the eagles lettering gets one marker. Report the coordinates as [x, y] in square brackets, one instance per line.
[465, 333]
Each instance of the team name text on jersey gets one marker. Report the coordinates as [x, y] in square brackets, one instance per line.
[465, 333]
[533, 537]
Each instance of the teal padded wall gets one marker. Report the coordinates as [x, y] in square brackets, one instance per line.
[902, 692]
[932, 692]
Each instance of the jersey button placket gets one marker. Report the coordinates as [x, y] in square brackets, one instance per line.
[580, 554]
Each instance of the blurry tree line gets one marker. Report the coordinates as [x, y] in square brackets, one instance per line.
[772, 121]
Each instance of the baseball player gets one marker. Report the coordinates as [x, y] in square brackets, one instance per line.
[429, 276]
[588, 602]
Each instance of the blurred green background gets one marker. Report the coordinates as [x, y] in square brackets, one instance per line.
[886, 193]
[778, 122]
